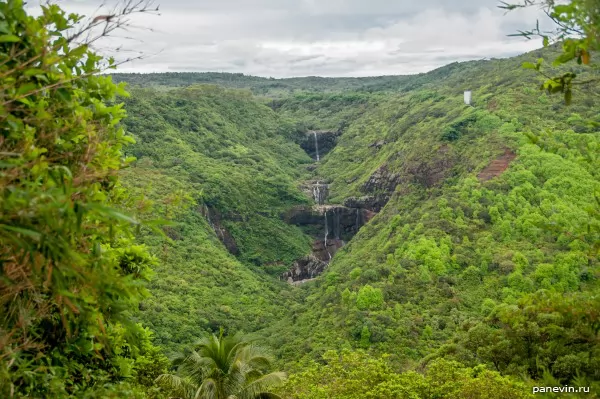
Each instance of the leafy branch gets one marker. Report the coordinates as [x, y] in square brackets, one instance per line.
[577, 28]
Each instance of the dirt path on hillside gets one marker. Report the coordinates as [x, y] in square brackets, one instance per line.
[497, 166]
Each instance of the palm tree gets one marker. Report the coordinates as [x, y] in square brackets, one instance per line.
[222, 368]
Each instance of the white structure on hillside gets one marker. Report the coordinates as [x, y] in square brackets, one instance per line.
[468, 97]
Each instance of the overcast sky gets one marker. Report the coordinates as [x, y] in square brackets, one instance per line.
[284, 38]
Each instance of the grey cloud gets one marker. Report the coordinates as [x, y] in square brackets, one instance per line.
[283, 38]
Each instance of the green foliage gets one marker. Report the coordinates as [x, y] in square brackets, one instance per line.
[369, 298]
[198, 286]
[70, 272]
[222, 168]
[354, 375]
[221, 368]
[230, 153]
[544, 333]
[271, 88]
[429, 276]
[487, 219]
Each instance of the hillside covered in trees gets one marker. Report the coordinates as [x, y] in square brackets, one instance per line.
[205, 235]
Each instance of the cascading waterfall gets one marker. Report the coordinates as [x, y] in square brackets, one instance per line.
[317, 195]
[328, 224]
[317, 146]
[326, 235]
[336, 224]
[319, 192]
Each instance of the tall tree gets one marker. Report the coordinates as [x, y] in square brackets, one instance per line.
[223, 367]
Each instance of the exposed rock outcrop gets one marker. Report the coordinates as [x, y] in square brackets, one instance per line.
[335, 221]
[379, 188]
[304, 269]
[382, 180]
[325, 250]
[426, 170]
[371, 203]
[330, 225]
[213, 217]
[317, 190]
[432, 169]
[378, 144]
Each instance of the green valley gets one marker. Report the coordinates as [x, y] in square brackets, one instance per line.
[216, 235]
[482, 212]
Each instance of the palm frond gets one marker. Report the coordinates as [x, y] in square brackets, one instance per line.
[225, 367]
[261, 386]
[179, 387]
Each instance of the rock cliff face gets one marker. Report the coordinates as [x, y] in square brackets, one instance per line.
[382, 181]
[431, 169]
[325, 250]
[426, 170]
[213, 217]
[336, 222]
[317, 190]
[306, 268]
[368, 202]
[379, 188]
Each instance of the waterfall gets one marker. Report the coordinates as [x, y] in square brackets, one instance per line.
[317, 196]
[357, 219]
[336, 224]
[316, 146]
[326, 234]
[319, 192]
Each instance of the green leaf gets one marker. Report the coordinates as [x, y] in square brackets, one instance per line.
[4, 27]
[6, 165]
[79, 51]
[110, 212]
[33, 72]
[564, 58]
[27, 88]
[64, 94]
[9, 39]
[529, 65]
[43, 78]
[26, 232]
[563, 9]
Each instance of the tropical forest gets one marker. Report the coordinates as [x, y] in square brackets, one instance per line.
[212, 235]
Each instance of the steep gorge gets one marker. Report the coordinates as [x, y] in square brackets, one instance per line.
[330, 225]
